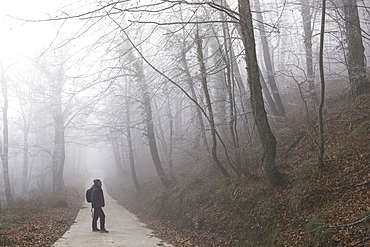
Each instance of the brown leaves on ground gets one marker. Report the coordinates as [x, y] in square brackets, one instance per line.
[40, 220]
[327, 207]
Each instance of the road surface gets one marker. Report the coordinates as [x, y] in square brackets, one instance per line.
[124, 228]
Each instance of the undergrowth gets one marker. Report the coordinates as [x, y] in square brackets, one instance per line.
[314, 207]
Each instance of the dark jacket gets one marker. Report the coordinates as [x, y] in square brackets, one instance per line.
[97, 197]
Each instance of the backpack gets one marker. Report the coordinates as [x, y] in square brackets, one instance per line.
[88, 195]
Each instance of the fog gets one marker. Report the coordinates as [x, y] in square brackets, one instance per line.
[147, 89]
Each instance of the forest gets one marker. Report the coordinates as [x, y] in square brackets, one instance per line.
[180, 100]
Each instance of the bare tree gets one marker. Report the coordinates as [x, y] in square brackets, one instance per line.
[355, 49]
[268, 63]
[4, 145]
[26, 112]
[198, 42]
[167, 146]
[268, 140]
[322, 98]
[129, 142]
[148, 120]
[200, 122]
[114, 136]
[59, 137]
[307, 13]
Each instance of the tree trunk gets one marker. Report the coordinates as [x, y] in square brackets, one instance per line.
[269, 100]
[266, 92]
[218, 82]
[59, 139]
[5, 148]
[150, 126]
[58, 153]
[25, 161]
[231, 96]
[170, 145]
[195, 98]
[245, 99]
[198, 42]
[244, 95]
[166, 147]
[321, 63]
[355, 54]
[268, 140]
[306, 18]
[268, 63]
[129, 144]
[121, 151]
[160, 132]
[230, 83]
[116, 152]
[151, 138]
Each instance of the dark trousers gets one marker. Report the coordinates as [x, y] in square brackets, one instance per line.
[98, 213]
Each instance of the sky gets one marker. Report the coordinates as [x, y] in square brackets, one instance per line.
[21, 42]
[24, 36]
[20, 38]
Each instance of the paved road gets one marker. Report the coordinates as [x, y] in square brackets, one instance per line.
[124, 228]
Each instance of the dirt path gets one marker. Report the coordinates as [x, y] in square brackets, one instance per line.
[124, 228]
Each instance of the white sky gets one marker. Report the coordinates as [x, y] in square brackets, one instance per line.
[29, 9]
[19, 38]
[22, 42]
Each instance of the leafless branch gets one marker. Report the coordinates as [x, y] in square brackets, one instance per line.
[181, 23]
[343, 225]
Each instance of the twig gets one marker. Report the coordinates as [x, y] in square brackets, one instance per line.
[343, 225]
[295, 143]
[362, 184]
[362, 241]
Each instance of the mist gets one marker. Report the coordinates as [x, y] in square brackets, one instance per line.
[155, 91]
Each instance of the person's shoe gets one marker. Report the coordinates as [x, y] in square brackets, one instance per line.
[96, 230]
[103, 231]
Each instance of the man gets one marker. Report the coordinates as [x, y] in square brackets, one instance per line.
[97, 199]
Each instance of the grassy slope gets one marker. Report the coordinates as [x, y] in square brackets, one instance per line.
[315, 208]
